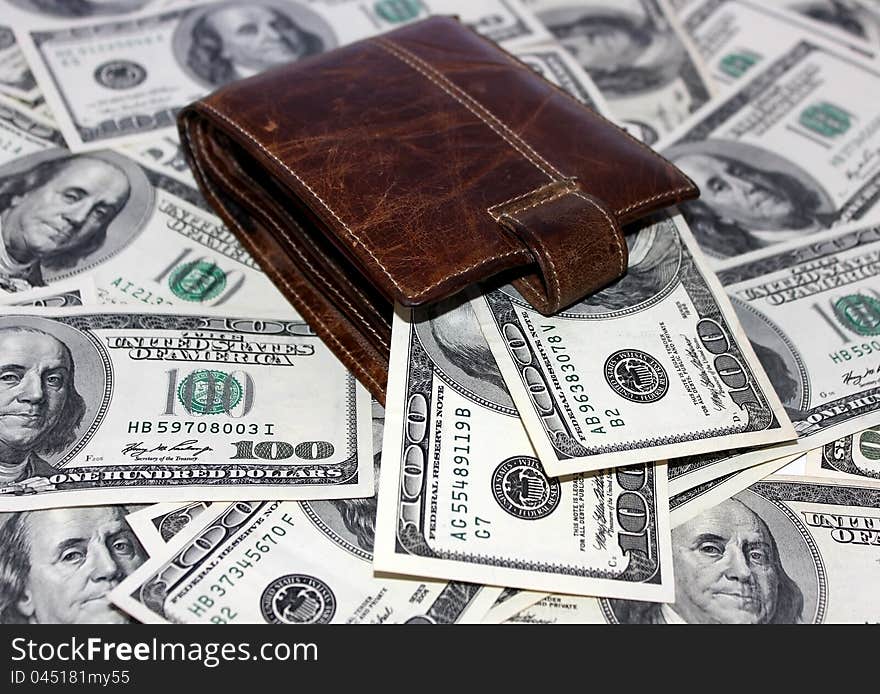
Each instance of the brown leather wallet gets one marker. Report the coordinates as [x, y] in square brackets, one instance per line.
[406, 167]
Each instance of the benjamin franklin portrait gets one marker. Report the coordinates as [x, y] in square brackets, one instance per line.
[728, 570]
[749, 198]
[231, 40]
[51, 384]
[61, 212]
[57, 566]
[625, 47]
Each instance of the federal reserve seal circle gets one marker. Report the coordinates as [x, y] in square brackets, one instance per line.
[636, 376]
[523, 490]
[298, 599]
[120, 74]
[207, 391]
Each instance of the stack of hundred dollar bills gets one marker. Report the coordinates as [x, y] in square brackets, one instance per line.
[699, 442]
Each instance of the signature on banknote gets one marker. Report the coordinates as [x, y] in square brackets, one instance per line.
[862, 379]
[140, 452]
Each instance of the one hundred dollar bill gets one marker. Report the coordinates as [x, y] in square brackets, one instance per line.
[690, 502]
[59, 565]
[140, 405]
[655, 366]
[131, 76]
[78, 291]
[795, 272]
[463, 497]
[16, 79]
[157, 524]
[286, 563]
[350, 523]
[855, 457]
[858, 18]
[140, 235]
[736, 37]
[637, 56]
[811, 310]
[786, 550]
[790, 152]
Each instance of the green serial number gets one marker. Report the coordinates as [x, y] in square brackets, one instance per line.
[461, 470]
[234, 574]
[576, 390]
[200, 427]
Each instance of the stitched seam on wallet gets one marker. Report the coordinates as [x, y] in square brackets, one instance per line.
[536, 203]
[342, 277]
[483, 261]
[665, 162]
[539, 241]
[491, 210]
[304, 308]
[617, 241]
[308, 188]
[629, 208]
[549, 257]
[472, 105]
[538, 297]
[302, 256]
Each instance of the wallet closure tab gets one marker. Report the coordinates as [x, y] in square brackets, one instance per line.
[576, 242]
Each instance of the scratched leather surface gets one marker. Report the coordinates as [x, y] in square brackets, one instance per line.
[408, 166]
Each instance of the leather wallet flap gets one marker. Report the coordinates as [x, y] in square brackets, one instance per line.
[563, 226]
[405, 147]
